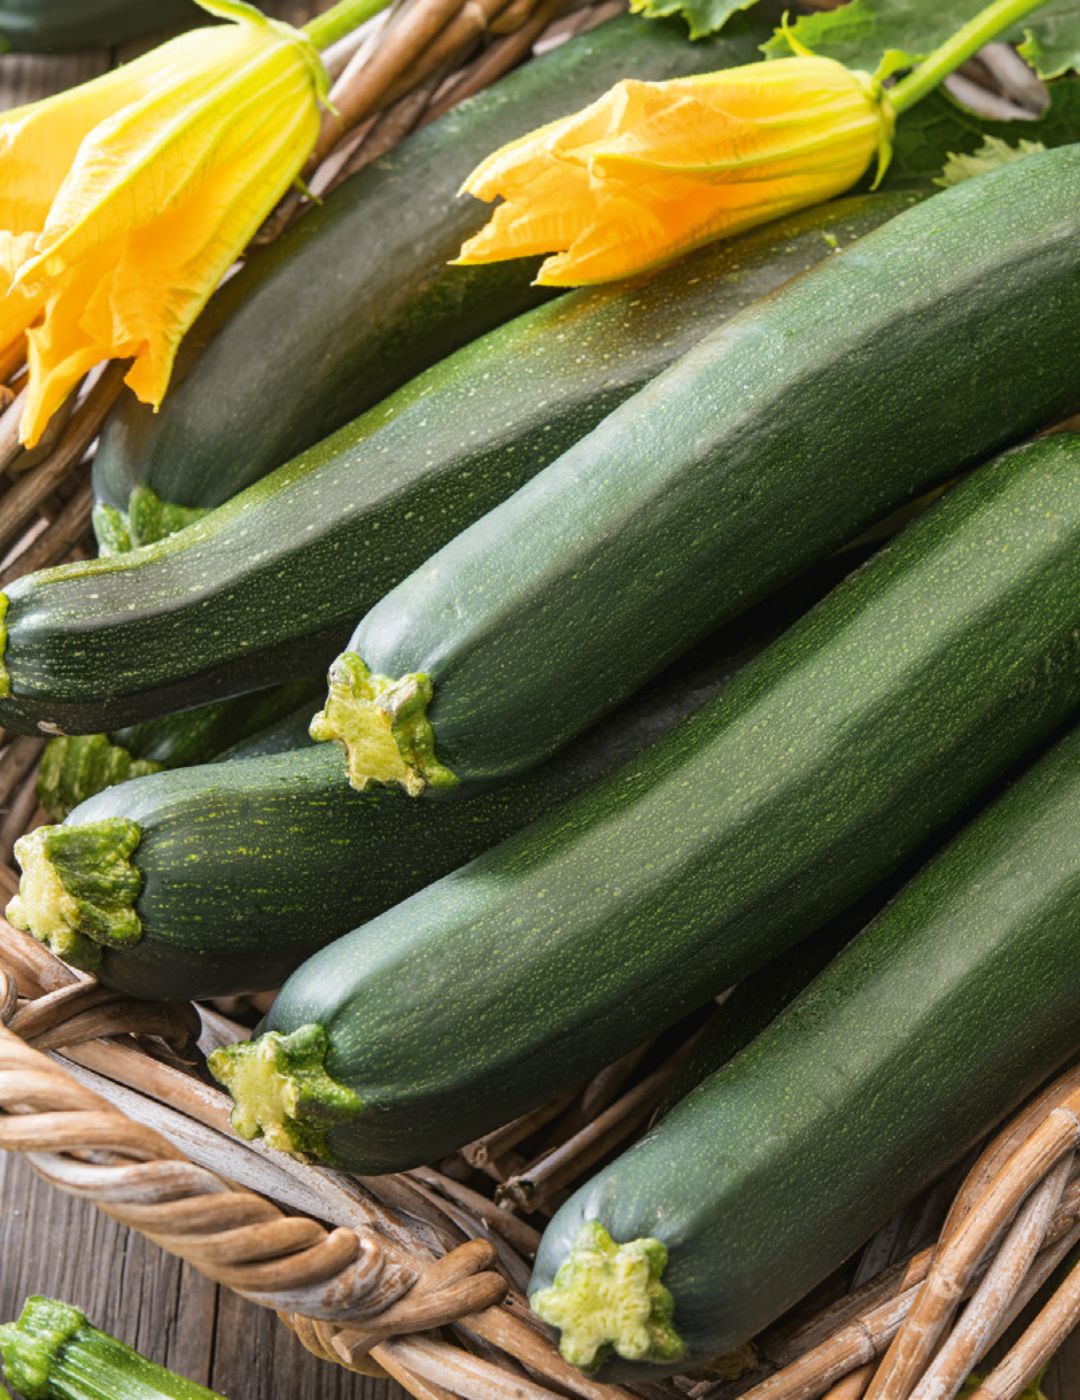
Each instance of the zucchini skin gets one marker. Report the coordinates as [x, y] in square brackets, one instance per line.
[757, 1001]
[269, 585]
[285, 734]
[54, 1353]
[942, 1016]
[342, 309]
[55, 26]
[850, 741]
[247, 868]
[916, 353]
[75, 767]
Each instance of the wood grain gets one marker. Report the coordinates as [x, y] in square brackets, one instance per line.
[52, 1244]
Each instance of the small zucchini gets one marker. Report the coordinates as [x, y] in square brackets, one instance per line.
[75, 767]
[218, 880]
[269, 585]
[934, 341]
[815, 771]
[358, 297]
[944, 1014]
[54, 1353]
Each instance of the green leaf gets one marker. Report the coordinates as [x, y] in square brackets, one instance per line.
[939, 128]
[703, 16]
[860, 33]
[1052, 39]
[993, 152]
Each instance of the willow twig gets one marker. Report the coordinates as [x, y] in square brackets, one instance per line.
[1015, 78]
[52, 545]
[1037, 1345]
[31, 489]
[535, 1187]
[959, 1258]
[970, 1339]
[494, 1146]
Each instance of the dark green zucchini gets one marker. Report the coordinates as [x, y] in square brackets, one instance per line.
[943, 1015]
[53, 26]
[934, 341]
[240, 871]
[75, 767]
[359, 296]
[270, 584]
[757, 1001]
[288, 733]
[826, 761]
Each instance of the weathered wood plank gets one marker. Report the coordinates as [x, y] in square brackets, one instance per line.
[52, 1244]
[30, 76]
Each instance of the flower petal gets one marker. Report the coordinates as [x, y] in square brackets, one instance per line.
[137, 296]
[168, 175]
[39, 142]
[652, 170]
[143, 158]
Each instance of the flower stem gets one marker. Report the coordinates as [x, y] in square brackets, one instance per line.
[987, 25]
[342, 19]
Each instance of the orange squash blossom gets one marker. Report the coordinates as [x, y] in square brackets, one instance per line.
[124, 201]
[652, 170]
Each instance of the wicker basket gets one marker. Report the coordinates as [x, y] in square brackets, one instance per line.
[422, 1275]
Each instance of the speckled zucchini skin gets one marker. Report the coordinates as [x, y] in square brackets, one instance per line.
[934, 341]
[943, 1015]
[270, 584]
[74, 768]
[250, 866]
[54, 26]
[359, 296]
[847, 743]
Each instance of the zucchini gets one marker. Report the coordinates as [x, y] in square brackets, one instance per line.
[269, 585]
[933, 342]
[342, 309]
[757, 1001]
[851, 740]
[943, 1015]
[75, 767]
[285, 734]
[54, 1353]
[54, 26]
[224, 878]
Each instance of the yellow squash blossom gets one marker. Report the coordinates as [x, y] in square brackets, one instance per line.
[652, 170]
[124, 201]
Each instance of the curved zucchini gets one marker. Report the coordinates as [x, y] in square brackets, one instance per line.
[53, 26]
[75, 767]
[270, 584]
[816, 770]
[238, 872]
[342, 309]
[942, 1016]
[782, 434]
